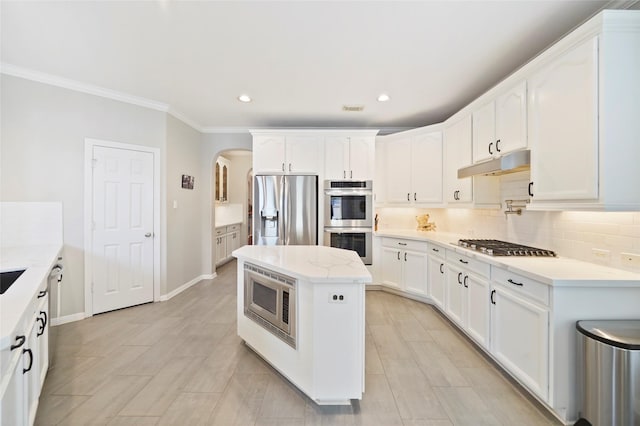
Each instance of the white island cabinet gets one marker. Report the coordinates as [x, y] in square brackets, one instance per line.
[323, 354]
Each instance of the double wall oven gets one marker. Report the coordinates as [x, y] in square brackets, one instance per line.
[348, 216]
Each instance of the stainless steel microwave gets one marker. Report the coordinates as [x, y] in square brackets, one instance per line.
[348, 204]
[270, 300]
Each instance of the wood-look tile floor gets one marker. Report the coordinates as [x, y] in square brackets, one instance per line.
[180, 362]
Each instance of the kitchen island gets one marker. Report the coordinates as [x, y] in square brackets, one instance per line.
[323, 350]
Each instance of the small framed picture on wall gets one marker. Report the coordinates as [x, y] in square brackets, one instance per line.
[187, 181]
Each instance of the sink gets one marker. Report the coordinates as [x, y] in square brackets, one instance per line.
[8, 278]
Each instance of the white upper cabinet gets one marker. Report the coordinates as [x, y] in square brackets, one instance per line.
[457, 143]
[414, 168]
[303, 154]
[347, 157]
[426, 168]
[500, 126]
[380, 172]
[398, 182]
[287, 154]
[511, 120]
[583, 109]
[563, 126]
[484, 132]
[268, 154]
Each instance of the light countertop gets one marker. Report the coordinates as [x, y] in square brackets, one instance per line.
[556, 271]
[222, 223]
[316, 264]
[38, 261]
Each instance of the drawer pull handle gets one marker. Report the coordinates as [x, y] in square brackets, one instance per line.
[442, 266]
[436, 250]
[19, 342]
[460, 278]
[515, 283]
[493, 293]
[43, 293]
[405, 256]
[398, 255]
[466, 278]
[24, 351]
[463, 261]
[402, 244]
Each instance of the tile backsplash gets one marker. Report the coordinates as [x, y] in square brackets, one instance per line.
[570, 234]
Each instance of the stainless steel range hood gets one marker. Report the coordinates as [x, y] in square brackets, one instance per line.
[516, 161]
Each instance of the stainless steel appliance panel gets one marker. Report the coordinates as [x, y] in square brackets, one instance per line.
[348, 204]
[270, 301]
[359, 240]
[300, 207]
[285, 210]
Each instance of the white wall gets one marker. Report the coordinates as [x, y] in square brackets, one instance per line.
[213, 145]
[42, 155]
[183, 231]
[238, 192]
[570, 234]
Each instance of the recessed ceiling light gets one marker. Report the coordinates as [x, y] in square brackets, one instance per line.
[244, 98]
[383, 98]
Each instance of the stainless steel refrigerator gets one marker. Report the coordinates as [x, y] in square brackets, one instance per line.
[285, 210]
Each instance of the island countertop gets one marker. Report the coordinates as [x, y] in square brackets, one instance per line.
[316, 264]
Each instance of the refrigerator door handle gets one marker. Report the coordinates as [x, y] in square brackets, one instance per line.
[285, 206]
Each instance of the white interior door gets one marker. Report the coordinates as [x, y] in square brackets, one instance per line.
[122, 240]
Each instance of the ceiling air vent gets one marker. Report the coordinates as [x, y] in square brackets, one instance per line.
[352, 108]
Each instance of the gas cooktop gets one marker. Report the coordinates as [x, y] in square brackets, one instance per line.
[503, 248]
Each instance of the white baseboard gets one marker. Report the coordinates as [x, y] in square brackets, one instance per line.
[68, 318]
[186, 285]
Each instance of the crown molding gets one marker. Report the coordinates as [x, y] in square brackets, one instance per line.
[189, 122]
[65, 83]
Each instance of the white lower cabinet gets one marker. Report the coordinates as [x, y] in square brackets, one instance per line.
[520, 329]
[25, 364]
[404, 265]
[227, 240]
[436, 273]
[467, 299]
[520, 339]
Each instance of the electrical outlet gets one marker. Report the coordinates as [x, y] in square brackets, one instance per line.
[601, 255]
[630, 259]
[337, 298]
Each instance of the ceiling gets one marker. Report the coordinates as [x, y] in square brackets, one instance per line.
[299, 61]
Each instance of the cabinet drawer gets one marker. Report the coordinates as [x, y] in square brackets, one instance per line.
[221, 230]
[437, 251]
[232, 228]
[466, 262]
[421, 246]
[522, 285]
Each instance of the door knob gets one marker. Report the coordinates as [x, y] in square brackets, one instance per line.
[148, 234]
